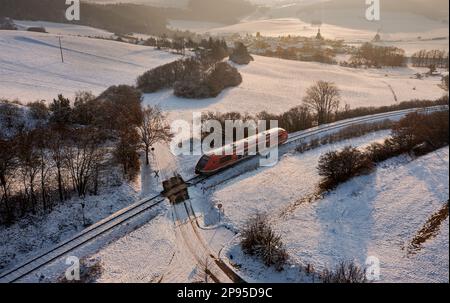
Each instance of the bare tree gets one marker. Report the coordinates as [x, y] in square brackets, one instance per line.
[126, 153]
[8, 165]
[29, 166]
[82, 156]
[154, 129]
[323, 98]
[45, 163]
[56, 146]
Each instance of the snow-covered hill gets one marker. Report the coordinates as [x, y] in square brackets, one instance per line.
[64, 29]
[375, 215]
[31, 68]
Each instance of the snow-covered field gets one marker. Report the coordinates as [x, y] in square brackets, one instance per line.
[64, 29]
[277, 85]
[31, 68]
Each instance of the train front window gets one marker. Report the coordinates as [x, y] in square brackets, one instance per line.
[203, 161]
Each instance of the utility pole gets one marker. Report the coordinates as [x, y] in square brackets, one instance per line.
[60, 48]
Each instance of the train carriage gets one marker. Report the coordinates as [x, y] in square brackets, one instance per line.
[231, 154]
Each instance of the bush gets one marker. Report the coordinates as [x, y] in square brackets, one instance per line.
[416, 129]
[416, 133]
[365, 111]
[121, 108]
[209, 85]
[345, 272]
[11, 119]
[259, 239]
[39, 110]
[346, 133]
[192, 89]
[223, 76]
[340, 166]
[165, 76]
[7, 24]
[379, 152]
[37, 29]
[240, 54]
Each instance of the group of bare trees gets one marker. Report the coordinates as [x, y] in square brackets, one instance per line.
[44, 166]
[427, 58]
[371, 55]
[50, 152]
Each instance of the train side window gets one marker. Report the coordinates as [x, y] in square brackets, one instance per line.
[226, 159]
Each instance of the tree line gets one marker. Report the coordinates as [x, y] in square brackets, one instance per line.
[48, 153]
[371, 55]
[427, 58]
[320, 105]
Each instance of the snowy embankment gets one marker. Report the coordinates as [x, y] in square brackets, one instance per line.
[376, 215]
[276, 85]
[33, 234]
[31, 67]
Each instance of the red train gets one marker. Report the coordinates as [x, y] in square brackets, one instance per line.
[229, 155]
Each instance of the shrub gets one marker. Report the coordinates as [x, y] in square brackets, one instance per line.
[121, 107]
[259, 239]
[165, 76]
[240, 54]
[192, 89]
[379, 152]
[364, 111]
[345, 272]
[37, 29]
[61, 112]
[12, 120]
[221, 77]
[346, 133]
[39, 110]
[340, 166]
[210, 84]
[418, 129]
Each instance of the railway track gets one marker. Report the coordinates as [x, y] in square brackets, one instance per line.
[106, 225]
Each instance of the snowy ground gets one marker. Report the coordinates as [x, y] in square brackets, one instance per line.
[32, 234]
[64, 29]
[31, 68]
[277, 85]
[378, 215]
[375, 215]
[156, 251]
